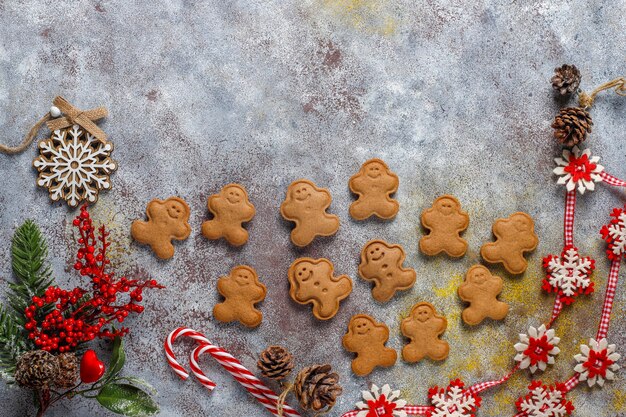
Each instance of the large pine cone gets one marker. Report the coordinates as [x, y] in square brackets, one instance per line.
[68, 370]
[36, 369]
[316, 387]
[275, 362]
[571, 125]
[566, 79]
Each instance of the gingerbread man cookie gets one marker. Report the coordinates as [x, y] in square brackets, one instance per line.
[423, 328]
[167, 220]
[374, 184]
[230, 208]
[514, 236]
[312, 281]
[481, 290]
[241, 290]
[444, 221]
[366, 337]
[305, 205]
[382, 264]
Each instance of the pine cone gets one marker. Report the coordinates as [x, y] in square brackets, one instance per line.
[566, 79]
[68, 370]
[275, 362]
[36, 369]
[316, 387]
[571, 125]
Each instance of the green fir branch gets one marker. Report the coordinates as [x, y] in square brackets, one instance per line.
[29, 253]
[12, 343]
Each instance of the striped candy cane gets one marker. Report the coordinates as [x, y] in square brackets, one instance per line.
[256, 387]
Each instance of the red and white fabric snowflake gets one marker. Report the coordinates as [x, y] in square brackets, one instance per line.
[383, 403]
[596, 362]
[576, 169]
[569, 274]
[537, 349]
[453, 401]
[615, 234]
[544, 401]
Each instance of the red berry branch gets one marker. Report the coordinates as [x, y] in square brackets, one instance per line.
[60, 320]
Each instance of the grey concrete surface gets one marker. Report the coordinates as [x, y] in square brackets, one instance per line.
[455, 96]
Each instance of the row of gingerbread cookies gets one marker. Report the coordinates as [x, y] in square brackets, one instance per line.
[445, 220]
[313, 281]
[305, 204]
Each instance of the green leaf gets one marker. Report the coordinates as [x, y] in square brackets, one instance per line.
[118, 358]
[29, 253]
[138, 382]
[12, 343]
[127, 400]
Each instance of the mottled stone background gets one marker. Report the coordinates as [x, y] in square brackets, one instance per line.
[455, 96]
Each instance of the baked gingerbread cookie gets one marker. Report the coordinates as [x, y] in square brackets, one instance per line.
[167, 221]
[423, 327]
[306, 205]
[514, 236]
[481, 290]
[366, 337]
[230, 208]
[241, 290]
[381, 263]
[312, 282]
[374, 184]
[444, 221]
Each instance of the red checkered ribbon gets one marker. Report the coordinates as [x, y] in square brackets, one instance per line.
[481, 386]
[410, 410]
[570, 208]
[611, 180]
[571, 383]
[256, 387]
[608, 299]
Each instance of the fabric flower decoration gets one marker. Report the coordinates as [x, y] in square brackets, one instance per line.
[578, 170]
[537, 348]
[453, 401]
[615, 234]
[596, 362]
[569, 274]
[545, 401]
[383, 403]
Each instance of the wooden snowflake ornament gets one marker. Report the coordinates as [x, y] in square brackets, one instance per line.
[75, 163]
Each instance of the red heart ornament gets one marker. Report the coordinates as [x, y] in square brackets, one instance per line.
[91, 368]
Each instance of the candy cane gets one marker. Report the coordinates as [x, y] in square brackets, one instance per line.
[260, 391]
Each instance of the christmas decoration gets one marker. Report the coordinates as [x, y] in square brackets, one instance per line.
[597, 362]
[68, 370]
[571, 126]
[74, 165]
[453, 401]
[381, 403]
[41, 334]
[316, 387]
[578, 170]
[537, 348]
[615, 234]
[569, 274]
[544, 401]
[36, 369]
[275, 362]
[253, 385]
[91, 368]
[566, 79]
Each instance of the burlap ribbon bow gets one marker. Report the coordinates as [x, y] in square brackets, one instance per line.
[73, 115]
